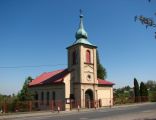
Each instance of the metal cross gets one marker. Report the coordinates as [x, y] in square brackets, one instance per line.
[80, 11]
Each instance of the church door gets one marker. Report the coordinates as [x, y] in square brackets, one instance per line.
[89, 98]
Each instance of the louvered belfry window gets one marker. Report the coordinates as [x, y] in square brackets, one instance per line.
[88, 58]
[74, 57]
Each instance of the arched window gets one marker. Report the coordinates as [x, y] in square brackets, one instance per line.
[88, 59]
[74, 57]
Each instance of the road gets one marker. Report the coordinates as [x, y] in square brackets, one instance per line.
[136, 112]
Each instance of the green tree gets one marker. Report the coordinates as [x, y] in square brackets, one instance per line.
[101, 71]
[25, 94]
[147, 21]
[136, 90]
[143, 92]
[151, 86]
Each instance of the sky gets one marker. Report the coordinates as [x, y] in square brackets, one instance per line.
[37, 32]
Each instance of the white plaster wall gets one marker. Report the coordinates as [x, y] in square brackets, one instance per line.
[68, 85]
[105, 94]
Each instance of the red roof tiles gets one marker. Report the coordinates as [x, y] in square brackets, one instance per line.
[50, 78]
[104, 82]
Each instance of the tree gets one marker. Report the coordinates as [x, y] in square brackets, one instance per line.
[136, 90]
[101, 71]
[147, 21]
[123, 95]
[143, 92]
[151, 86]
[25, 94]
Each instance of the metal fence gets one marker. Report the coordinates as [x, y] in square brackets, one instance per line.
[59, 105]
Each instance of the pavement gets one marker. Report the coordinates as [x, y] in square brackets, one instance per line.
[55, 113]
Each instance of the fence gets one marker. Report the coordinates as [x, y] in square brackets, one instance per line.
[59, 105]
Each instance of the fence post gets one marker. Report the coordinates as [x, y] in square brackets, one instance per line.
[95, 104]
[4, 106]
[78, 108]
[52, 105]
[58, 109]
[30, 106]
[110, 103]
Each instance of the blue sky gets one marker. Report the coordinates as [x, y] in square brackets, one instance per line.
[37, 32]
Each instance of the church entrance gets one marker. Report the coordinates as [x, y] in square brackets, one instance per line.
[89, 98]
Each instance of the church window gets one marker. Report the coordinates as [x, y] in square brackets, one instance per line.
[42, 98]
[36, 99]
[53, 97]
[74, 57]
[88, 59]
[47, 98]
[72, 96]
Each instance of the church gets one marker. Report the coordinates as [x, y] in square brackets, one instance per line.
[77, 85]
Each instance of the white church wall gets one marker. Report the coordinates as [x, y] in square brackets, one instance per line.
[105, 95]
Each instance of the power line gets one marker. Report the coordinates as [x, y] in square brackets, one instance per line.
[29, 66]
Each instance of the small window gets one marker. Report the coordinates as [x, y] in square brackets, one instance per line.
[36, 100]
[47, 98]
[88, 59]
[54, 97]
[74, 57]
[42, 98]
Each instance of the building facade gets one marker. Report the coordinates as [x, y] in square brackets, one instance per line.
[78, 85]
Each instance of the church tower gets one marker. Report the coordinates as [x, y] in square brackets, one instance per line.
[82, 64]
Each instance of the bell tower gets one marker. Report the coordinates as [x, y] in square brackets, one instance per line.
[82, 61]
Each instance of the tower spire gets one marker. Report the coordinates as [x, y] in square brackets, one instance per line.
[81, 33]
[81, 19]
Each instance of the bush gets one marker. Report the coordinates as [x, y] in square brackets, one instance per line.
[152, 96]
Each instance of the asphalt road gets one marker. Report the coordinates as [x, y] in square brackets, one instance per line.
[137, 112]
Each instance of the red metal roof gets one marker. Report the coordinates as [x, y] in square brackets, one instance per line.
[104, 82]
[50, 77]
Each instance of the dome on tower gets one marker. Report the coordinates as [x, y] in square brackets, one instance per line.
[81, 33]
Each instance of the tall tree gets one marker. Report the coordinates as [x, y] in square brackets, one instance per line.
[25, 94]
[101, 71]
[143, 92]
[136, 90]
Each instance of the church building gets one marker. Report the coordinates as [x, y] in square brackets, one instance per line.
[77, 85]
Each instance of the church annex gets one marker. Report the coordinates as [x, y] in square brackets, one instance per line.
[77, 85]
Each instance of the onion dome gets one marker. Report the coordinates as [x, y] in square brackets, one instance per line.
[81, 35]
